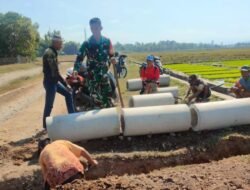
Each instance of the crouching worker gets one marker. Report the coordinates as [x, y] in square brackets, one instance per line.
[60, 162]
[150, 75]
[241, 89]
[200, 90]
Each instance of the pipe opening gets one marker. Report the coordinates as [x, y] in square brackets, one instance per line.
[127, 84]
[122, 123]
[194, 117]
[131, 102]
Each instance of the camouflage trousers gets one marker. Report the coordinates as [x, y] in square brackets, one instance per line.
[100, 87]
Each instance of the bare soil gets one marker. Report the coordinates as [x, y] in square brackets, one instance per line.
[188, 160]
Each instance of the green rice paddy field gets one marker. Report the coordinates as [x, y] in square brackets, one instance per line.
[228, 71]
[217, 66]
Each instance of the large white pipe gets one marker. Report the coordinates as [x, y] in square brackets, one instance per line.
[157, 119]
[151, 100]
[164, 80]
[221, 114]
[173, 90]
[85, 125]
[136, 84]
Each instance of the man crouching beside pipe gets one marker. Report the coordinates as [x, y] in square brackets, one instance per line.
[241, 89]
[200, 90]
[60, 162]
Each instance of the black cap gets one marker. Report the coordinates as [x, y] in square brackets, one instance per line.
[191, 78]
[57, 38]
[245, 68]
[42, 143]
[95, 21]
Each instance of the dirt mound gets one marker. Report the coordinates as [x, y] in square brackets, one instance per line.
[232, 173]
[21, 151]
[125, 163]
[143, 163]
[3, 151]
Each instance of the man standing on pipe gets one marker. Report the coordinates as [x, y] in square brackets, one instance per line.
[150, 75]
[100, 53]
[242, 87]
[53, 81]
[60, 162]
[200, 90]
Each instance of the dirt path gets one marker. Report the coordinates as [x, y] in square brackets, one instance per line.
[20, 124]
[18, 99]
[8, 77]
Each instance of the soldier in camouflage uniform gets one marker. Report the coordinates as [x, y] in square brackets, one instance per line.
[99, 52]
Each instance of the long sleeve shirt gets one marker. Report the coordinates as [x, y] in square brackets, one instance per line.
[150, 73]
[50, 67]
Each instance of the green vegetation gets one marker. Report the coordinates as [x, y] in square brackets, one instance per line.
[215, 56]
[19, 36]
[229, 75]
[69, 48]
[173, 46]
[213, 65]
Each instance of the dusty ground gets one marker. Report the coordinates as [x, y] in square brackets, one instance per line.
[7, 77]
[186, 160]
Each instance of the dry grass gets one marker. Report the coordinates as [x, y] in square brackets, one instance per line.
[16, 67]
[29, 80]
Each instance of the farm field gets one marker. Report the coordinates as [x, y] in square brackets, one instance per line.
[197, 56]
[212, 73]
[220, 69]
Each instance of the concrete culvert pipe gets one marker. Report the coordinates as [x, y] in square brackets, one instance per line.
[164, 80]
[136, 84]
[157, 119]
[221, 114]
[173, 90]
[151, 100]
[85, 125]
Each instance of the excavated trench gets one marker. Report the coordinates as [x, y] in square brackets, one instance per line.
[144, 162]
[143, 159]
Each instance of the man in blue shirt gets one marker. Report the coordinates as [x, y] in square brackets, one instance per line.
[242, 87]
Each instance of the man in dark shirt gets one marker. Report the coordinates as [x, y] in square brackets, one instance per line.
[53, 81]
[200, 90]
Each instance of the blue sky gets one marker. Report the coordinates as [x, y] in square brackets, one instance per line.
[128, 21]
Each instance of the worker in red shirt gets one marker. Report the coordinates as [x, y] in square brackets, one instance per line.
[150, 76]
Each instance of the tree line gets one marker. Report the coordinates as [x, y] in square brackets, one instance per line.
[20, 36]
[174, 46]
